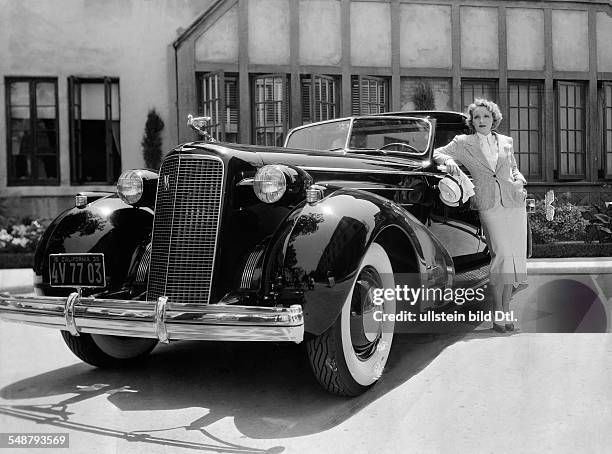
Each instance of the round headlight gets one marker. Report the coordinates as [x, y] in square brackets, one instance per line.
[270, 183]
[130, 187]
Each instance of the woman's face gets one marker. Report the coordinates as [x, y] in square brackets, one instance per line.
[482, 119]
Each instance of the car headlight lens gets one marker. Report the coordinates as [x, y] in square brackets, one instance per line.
[270, 183]
[130, 187]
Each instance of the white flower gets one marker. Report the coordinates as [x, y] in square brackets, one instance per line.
[4, 235]
[23, 242]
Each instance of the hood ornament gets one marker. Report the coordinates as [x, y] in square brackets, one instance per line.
[199, 125]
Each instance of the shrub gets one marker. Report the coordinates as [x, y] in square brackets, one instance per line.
[423, 97]
[568, 224]
[151, 140]
[22, 237]
[599, 226]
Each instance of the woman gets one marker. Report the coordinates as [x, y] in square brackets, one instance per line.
[499, 198]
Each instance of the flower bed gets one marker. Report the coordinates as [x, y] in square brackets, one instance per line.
[18, 242]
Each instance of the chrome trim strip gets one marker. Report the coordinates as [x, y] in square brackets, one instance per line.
[160, 320]
[249, 268]
[144, 265]
[388, 172]
[142, 318]
[246, 182]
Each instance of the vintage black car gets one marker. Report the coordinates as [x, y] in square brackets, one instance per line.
[247, 243]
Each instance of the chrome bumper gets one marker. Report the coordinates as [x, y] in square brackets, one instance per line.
[162, 320]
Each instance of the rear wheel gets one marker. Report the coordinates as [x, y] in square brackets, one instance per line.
[350, 356]
[108, 351]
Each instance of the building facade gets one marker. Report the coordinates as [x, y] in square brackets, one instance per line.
[261, 67]
[78, 80]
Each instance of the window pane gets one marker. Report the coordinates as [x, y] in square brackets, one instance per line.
[47, 166]
[20, 112]
[524, 117]
[115, 101]
[45, 94]
[20, 94]
[45, 112]
[534, 119]
[92, 101]
[32, 140]
[95, 140]
[534, 164]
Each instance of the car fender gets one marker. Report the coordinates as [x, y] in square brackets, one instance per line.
[316, 253]
[107, 225]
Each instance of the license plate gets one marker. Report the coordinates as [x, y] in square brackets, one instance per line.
[77, 270]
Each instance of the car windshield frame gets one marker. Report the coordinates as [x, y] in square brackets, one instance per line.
[427, 121]
[350, 121]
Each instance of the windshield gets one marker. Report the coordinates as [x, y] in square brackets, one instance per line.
[411, 135]
[326, 136]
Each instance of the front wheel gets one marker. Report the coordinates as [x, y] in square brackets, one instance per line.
[350, 356]
[108, 351]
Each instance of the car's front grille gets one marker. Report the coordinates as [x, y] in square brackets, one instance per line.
[187, 214]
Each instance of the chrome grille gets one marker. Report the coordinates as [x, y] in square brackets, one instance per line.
[187, 214]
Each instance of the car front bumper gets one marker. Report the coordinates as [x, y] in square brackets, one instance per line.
[161, 320]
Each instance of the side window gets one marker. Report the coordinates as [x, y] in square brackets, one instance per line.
[94, 130]
[32, 131]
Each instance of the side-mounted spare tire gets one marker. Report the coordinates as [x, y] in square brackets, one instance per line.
[350, 356]
[108, 351]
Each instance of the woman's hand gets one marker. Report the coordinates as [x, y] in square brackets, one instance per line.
[451, 166]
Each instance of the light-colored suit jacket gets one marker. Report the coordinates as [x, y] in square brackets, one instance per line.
[465, 149]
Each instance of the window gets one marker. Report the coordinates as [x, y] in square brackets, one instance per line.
[319, 98]
[571, 126]
[94, 130]
[32, 131]
[369, 95]
[606, 92]
[218, 99]
[526, 125]
[270, 109]
[476, 88]
[425, 93]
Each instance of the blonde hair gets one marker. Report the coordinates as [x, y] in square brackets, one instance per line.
[490, 106]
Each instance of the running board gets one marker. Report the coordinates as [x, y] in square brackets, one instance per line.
[473, 278]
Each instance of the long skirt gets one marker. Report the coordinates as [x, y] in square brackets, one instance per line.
[505, 230]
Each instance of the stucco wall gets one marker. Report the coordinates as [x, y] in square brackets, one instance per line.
[370, 34]
[122, 38]
[479, 38]
[269, 32]
[219, 42]
[425, 36]
[570, 40]
[525, 38]
[604, 42]
[320, 34]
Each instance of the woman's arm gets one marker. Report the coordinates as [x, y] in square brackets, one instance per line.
[448, 156]
[450, 151]
[516, 173]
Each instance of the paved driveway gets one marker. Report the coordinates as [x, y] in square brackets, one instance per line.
[474, 391]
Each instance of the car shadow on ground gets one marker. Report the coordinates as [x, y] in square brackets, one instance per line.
[268, 389]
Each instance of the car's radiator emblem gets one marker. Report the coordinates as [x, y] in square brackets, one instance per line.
[166, 182]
